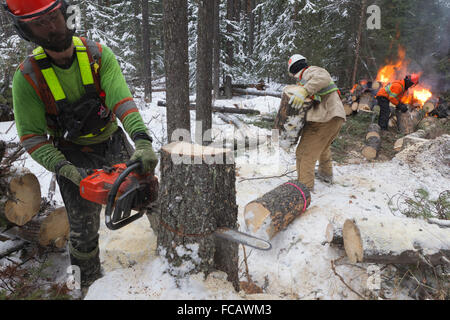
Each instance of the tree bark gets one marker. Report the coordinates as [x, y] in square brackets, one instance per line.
[147, 57]
[395, 240]
[251, 28]
[358, 40]
[275, 210]
[197, 196]
[229, 49]
[290, 121]
[204, 72]
[373, 142]
[176, 65]
[20, 195]
[216, 49]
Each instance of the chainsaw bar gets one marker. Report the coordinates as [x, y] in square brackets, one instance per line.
[243, 238]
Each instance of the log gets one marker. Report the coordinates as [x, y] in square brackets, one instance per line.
[20, 195]
[275, 210]
[290, 121]
[376, 85]
[430, 105]
[49, 228]
[348, 109]
[333, 235]
[392, 123]
[219, 109]
[372, 142]
[365, 101]
[407, 121]
[355, 106]
[395, 240]
[197, 196]
[256, 92]
[398, 145]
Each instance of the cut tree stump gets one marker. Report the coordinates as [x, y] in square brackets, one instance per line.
[395, 240]
[373, 141]
[49, 228]
[290, 121]
[407, 121]
[275, 210]
[197, 196]
[20, 195]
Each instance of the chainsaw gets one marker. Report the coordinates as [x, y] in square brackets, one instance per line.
[122, 190]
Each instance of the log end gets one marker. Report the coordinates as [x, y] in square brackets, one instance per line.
[55, 229]
[369, 153]
[255, 215]
[26, 199]
[329, 233]
[352, 241]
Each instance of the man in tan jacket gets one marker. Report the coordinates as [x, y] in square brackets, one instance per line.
[323, 121]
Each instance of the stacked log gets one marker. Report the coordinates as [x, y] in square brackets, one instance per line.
[275, 210]
[372, 142]
[395, 240]
[290, 121]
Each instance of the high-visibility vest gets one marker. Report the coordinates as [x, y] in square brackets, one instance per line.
[332, 87]
[391, 94]
[38, 71]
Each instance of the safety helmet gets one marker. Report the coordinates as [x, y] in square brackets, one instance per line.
[411, 80]
[21, 11]
[295, 64]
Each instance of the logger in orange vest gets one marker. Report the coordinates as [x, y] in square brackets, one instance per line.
[393, 93]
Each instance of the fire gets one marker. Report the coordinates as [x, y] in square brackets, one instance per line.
[422, 95]
[391, 72]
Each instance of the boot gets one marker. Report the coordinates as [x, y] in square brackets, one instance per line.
[89, 264]
[324, 178]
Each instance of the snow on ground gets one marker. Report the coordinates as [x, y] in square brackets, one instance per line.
[299, 264]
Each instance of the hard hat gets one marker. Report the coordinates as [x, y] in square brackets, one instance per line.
[21, 11]
[415, 78]
[294, 61]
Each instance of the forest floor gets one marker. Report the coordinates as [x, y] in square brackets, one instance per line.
[300, 264]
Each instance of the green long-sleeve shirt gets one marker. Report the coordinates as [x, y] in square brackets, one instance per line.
[29, 110]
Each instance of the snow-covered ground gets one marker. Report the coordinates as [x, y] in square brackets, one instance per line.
[299, 264]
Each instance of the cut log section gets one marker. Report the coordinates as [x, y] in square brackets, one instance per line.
[373, 141]
[376, 85]
[48, 228]
[20, 196]
[290, 121]
[365, 101]
[197, 196]
[355, 106]
[407, 121]
[392, 122]
[275, 210]
[430, 105]
[395, 240]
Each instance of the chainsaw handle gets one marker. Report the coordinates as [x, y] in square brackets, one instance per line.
[112, 196]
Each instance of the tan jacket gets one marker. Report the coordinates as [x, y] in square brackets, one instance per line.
[331, 106]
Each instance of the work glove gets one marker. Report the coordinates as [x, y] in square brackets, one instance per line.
[145, 154]
[73, 173]
[298, 98]
[403, 108]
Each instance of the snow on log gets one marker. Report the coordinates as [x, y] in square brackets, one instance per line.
[373, 141]
[275, 210]
[218, 109]
[49, 228]
[197, 196]
[395, 240]
[20, 195]
[290, 121]
[256, 92]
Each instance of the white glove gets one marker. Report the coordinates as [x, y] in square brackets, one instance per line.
[298, 98]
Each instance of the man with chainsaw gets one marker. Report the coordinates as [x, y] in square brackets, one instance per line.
[323, 121]
[393, 93]
[67, 96]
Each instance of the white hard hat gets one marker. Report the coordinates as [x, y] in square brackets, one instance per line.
[294, 59]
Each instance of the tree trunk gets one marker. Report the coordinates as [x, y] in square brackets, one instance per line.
[358, 40]
[197, 196]
[216, 49]
[373, 142]
[204, 72]
[147, 57]
[407, 121]
[290, 121]
[275, 210]
[395, 240]
[176, 65]
[49, 228]
[229, 49]
[251, 27]
[20, 196]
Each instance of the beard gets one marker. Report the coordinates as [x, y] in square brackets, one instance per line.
[55, 41]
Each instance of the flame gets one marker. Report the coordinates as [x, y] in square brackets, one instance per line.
[393, 71]
[354, 87]
[422, 95]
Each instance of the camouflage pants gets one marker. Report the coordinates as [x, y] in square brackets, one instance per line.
[84, 216]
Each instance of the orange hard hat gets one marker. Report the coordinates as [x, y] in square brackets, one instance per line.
[415, 78]
[27, 10]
